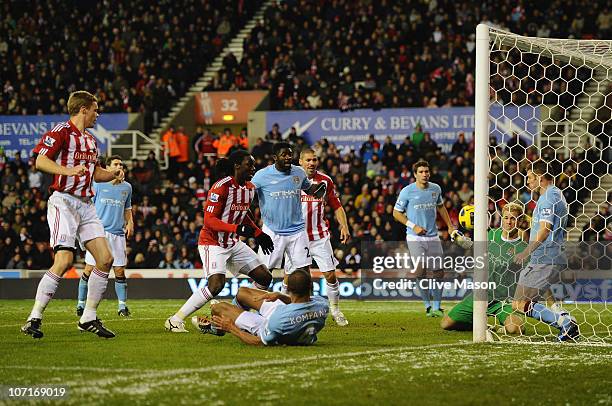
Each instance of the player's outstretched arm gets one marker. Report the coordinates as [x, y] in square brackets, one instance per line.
[225, 324]
[47, 165]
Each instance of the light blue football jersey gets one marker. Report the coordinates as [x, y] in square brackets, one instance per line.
[111, 202]
[420, 206]
[280, 199]
[295, 323]
[551, 207]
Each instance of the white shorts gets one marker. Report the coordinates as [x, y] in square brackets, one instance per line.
[539, 276]
[254, 322]
[294, 248]
[117, 247]
[72, 219]
[238, 258]
[323, 253]
[427, 251]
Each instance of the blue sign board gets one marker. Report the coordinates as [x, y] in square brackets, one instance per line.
[352, 128]
[22, 133]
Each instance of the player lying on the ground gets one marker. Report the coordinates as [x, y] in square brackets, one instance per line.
[113, 201]
[546, 253]
[70, 153]
[225, 220]
[280, 319]
[504, 242]
[317, 228]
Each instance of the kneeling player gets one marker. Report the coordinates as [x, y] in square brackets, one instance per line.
[229, 201]
[504, 243]
[280, 319]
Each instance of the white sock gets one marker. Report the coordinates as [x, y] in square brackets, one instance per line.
[46, 289]
[195, 302]
[284, 289]
[96, 286]
[333, 295]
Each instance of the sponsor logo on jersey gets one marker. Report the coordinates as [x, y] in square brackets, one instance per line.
[308, 198]
[296, 180]
[240, 207]
[86, 156]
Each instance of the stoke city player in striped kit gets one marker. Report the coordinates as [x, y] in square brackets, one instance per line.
[70, 153]
[317, 228]
[225, 220]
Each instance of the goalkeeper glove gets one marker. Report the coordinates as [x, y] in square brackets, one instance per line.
[265, 242]
[245, 230]
[463, 241]
[319, 192]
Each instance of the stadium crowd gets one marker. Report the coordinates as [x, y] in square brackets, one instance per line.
[168, 210]
[347, 54]
[340, 54]
[136, 58]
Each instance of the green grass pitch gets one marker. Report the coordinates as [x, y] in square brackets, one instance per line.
[389, 354]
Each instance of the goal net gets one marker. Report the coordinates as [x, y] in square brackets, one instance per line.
[545, 100]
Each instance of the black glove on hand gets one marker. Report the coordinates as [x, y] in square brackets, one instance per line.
[245, 230]
[320, 190]
[265, 242]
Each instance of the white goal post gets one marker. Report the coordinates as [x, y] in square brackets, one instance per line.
[549, 99]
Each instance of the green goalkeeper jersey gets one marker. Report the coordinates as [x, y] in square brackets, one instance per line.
[501, 252]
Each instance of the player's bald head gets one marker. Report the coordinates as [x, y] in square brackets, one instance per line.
[299, 283]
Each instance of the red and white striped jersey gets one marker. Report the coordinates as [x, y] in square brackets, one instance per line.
[317, 226]
[229, 202]
[68, 147]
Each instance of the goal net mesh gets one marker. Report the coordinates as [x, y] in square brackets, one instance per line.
[550, 100]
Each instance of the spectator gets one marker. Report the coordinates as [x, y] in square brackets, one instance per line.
[182, 142]
[274, 135]
[224, 143]
[374, 167]
[417, 136]
[428, 147]
[171, 150]
[243, 138]
[460, 147]
[369, 148]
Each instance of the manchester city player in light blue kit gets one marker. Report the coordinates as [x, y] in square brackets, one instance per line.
[279, 189]
[416, 208]
[293, 319]
[113, 202]
[547, 251]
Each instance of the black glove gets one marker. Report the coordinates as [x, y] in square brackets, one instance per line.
[265, 242]
[245, 230]
[319, 192]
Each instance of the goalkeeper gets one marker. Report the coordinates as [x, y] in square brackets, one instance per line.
[505, 242]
